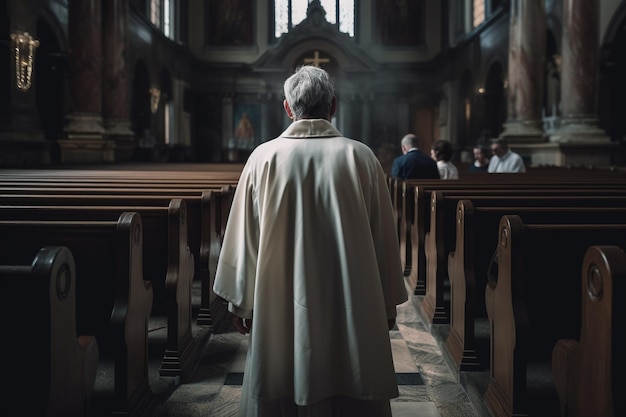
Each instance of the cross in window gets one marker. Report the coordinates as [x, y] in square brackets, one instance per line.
[316, 60]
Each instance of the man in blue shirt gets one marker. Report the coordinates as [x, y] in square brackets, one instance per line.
[413, 164]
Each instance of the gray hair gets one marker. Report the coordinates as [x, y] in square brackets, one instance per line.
[309, 92]
[410, 140]
[504, 144]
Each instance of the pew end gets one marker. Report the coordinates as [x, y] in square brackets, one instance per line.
[44, 292]
[585, 371]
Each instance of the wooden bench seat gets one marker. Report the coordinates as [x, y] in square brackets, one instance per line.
[440, 239]
[586, 371]
[167, 263]
[205, 210]
[533, 302]
[113, 302]
[414, 217]
[475, 239]
[41, 349]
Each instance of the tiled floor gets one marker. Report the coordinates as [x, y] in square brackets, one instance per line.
[427, 386]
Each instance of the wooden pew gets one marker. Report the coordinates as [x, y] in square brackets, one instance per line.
[534, 302]
[113, 302]
[50, 370]
[202, 221]
[168, 265]
[476, 237]
[416, 203]
[586, 371]
[439, 240]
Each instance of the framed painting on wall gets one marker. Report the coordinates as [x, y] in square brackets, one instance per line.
[230, 22]
[400, 22]
[247, 126]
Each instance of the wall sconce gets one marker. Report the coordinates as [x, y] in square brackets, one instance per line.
[481, 91]
[24, 46]
[155, 96]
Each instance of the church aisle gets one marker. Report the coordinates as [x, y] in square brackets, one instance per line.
[426, 384]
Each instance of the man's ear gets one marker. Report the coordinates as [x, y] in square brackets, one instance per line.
[333, 107]
[288, 109]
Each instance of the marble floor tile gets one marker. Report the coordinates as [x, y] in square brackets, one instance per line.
[427, 386]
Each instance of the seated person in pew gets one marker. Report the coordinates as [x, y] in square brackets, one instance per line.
[481, 159]
[504, 159]
[441, 152]
[413, 164]
[293, 271]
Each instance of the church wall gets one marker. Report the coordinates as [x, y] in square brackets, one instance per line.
[377, 70]
[386, 86]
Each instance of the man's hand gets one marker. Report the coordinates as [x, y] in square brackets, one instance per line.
[242, 325]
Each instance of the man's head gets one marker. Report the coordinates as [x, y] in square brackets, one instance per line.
[499, 147]
[408, 142]
[309, 94]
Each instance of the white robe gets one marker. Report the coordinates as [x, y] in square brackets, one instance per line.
[311, 250]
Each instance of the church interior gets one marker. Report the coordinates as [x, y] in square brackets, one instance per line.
[176, 94]
[186, 81]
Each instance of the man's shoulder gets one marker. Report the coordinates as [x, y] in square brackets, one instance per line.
[418, 155]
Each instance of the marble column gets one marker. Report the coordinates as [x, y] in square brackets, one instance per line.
[527, 45]
[115, 78]
[85, 141]
[579, 73]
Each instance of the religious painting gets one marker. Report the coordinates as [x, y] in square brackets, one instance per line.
[246, 129]
[400, 22]
[230, 22]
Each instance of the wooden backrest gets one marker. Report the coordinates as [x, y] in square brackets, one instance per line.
[60, 367]
[534, 302]
[587, 371]
[113, 301]
[468, 263]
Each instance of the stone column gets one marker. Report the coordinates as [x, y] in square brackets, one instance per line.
[527, 45]
[85, 140]
[115, 78]
[579, 73]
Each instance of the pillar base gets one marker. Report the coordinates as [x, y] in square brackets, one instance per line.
[568, 154]
[523, 132]
[579, 130]
[23, 150]
[119, 132]
[85, 149]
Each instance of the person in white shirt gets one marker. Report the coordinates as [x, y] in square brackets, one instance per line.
[441, 152]
[503, 159]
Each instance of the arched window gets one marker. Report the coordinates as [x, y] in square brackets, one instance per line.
[479, 12]
[288, 13]
[163, 16]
